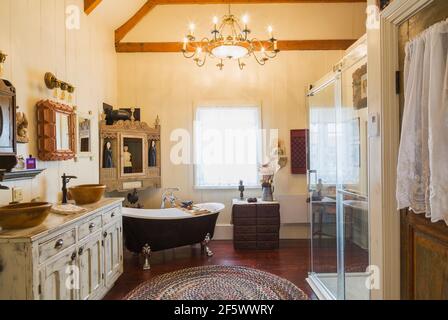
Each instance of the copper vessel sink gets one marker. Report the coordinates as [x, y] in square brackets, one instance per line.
[24, 215]
[87, 193]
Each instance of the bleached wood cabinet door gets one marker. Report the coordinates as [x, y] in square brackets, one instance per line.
[91, 267]
[59, 277]
[113, 252]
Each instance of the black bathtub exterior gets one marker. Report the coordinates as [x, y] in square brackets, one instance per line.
[167, 234]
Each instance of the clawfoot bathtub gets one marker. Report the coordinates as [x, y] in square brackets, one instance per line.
[149, 230]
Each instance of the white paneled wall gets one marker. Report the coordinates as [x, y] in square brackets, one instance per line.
[34, 35]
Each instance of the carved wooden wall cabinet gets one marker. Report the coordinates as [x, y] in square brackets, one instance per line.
[56, 131]
[129, 156]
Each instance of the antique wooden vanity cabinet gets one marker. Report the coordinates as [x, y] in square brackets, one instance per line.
[76, 257]
[129, 156]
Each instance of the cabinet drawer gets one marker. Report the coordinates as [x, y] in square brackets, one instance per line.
[245, 222]
[111, 215]
[244, 229]
[245, 237]
[268, 229]
[56, 245]
[268, 211]
[268, 221]
[245, 245]
[244, 211]
[268, 237]
[89, 227]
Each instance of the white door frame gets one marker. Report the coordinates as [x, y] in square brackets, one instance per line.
[383, 101]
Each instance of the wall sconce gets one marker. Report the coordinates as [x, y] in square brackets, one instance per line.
[54, 83]
[2, 61]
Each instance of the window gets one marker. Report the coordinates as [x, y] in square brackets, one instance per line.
[227, 147]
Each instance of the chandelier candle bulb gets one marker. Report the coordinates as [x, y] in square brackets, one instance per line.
[245, 21]
[192, 27]
[271, 32]
[185, 44]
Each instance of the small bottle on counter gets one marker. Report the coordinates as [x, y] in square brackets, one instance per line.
[31, 163]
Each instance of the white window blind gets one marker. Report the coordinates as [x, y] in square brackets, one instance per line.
[227, 146]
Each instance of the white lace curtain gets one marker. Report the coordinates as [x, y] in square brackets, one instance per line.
[422, 183]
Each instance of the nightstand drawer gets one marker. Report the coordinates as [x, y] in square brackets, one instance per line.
[245, 237]
[268, 229]
[268, 221]
[268, 211]
[244, 229]
[244, 211]
[245, 222]
[268, 237]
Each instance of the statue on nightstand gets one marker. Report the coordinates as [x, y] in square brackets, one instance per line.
[241, 189]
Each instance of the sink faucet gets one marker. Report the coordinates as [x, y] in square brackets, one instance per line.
[65, 179]
[168, 194]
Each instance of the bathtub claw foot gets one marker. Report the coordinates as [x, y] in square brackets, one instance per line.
[146, 251]
[204, 246]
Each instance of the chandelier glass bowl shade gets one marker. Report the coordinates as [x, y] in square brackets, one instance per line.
[229, 42]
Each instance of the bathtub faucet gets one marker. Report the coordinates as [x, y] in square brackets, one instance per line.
[168, 194]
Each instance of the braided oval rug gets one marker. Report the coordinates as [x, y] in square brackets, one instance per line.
[217, 283]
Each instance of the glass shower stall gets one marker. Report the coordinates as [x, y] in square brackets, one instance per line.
[338, 180]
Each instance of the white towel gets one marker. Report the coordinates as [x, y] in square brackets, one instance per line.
[422, 182]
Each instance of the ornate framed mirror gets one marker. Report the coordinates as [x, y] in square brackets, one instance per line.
[56, 131]
[84, 134]
[8, 142]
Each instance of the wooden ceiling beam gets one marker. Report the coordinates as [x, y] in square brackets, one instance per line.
[90, 5]
[178, 2]
[283, 45]
[121, 32]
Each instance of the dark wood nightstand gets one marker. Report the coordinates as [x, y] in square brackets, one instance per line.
[256, 226]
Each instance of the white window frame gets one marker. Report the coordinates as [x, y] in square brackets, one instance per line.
[223, 104]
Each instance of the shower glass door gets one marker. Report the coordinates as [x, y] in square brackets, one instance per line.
[338, 183]
[322, 180]
[352, 187]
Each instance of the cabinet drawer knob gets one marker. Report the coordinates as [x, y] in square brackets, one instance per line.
[74, 256]
[59, 244]
[113, 214]
[91, 226]
[105, 234]
[80, 251]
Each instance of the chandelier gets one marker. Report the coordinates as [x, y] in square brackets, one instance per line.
[229, 42]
